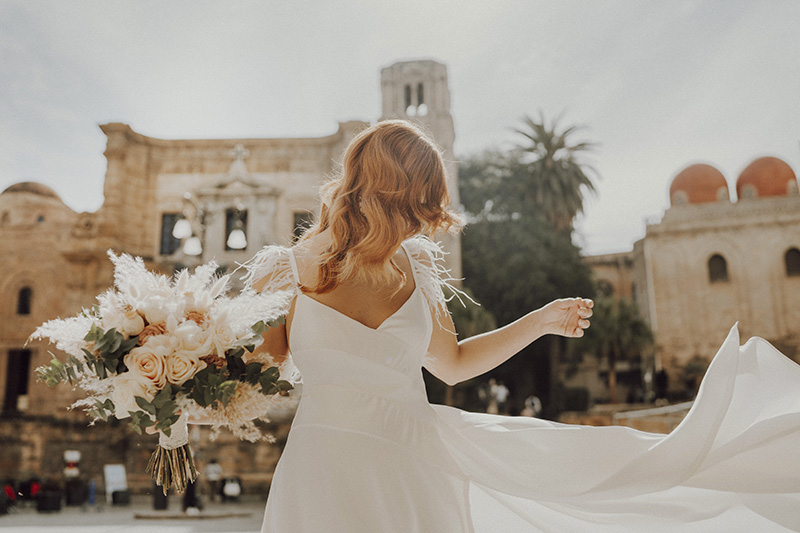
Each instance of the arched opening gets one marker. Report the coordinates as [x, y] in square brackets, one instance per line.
[24, 298]
[235, 229]
[717, 269]
[792, 262]
[18, 371]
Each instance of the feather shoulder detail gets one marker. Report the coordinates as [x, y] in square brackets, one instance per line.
[272, 264]
[433, 277]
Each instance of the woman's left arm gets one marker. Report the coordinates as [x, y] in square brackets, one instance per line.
[454, 362]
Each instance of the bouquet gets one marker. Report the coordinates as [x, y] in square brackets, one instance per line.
[162, 350]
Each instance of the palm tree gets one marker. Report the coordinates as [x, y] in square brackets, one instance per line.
[556, 180]
[618, 332]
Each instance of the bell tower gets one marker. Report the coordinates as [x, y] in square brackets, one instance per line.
[417, 91]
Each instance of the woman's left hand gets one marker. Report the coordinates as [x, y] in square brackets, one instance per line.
[567, 317]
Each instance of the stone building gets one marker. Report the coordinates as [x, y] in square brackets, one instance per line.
[711, 262]
[227, 197]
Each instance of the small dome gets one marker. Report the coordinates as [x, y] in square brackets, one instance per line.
[698, 184]
[766, 176]
[32, 187]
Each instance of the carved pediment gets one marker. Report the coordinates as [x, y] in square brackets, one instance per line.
[240, 186]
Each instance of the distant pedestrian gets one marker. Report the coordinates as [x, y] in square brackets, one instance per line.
[533, 406]
[501, 395]
[213, 476]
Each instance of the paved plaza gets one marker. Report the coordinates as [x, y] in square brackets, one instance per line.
[139, 517]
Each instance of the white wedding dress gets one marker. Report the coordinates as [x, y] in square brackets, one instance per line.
[368, 453]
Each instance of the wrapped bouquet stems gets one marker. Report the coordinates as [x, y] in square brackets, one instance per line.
[172, 462]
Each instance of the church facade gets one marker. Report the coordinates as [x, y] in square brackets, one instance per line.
[712, 262]
[175, 203]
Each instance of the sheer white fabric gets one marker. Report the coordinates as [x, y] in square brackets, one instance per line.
[368, 453]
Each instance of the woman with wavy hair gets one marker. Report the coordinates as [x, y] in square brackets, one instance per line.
[368, 453]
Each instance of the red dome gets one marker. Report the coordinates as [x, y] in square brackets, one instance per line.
[766, 176]
[698, 184]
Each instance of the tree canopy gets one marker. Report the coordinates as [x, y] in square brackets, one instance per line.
[517, 250]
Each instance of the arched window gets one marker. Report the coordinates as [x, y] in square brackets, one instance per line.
[717, 269]
[24, 301]
[792, 262]
[235, 229]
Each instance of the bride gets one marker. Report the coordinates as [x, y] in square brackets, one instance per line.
[368, 453]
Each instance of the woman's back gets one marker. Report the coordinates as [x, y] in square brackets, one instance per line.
[369, 303]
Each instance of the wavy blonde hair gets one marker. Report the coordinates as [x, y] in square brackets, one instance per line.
[392, 187]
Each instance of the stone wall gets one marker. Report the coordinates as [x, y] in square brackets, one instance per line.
[34, 446]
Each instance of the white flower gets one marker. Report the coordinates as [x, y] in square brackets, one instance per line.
[126, 387]
[192, 339]
[149, 362]
[220, 335]
[132, 323]
[187, 337]
[182, 366]
[117, 314]
[154, 308]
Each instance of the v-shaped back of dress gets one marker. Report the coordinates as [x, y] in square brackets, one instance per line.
[329, 347]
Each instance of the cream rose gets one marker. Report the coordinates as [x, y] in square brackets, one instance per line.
[126, 387]
[149, 363]
[221, 338]
[182, 366]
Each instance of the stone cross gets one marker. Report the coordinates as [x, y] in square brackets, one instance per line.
[238, 168]
[239, 152]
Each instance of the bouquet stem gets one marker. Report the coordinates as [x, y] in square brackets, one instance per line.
[172, 466]
[172, 461]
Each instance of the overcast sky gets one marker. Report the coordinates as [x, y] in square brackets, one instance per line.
[659, 85]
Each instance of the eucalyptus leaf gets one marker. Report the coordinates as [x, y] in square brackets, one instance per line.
[145, 405]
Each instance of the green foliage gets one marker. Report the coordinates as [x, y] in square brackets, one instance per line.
[618, 332]
[161, 411]
[109, 349]
[517, 249]
[55, 371]
[214, 386]
[617, 329]
[471, 318]
[102, 410]
[556, 181]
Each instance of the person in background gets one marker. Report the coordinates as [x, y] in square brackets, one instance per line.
[213, 474]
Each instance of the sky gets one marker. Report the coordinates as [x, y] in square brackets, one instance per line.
[657, 85]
